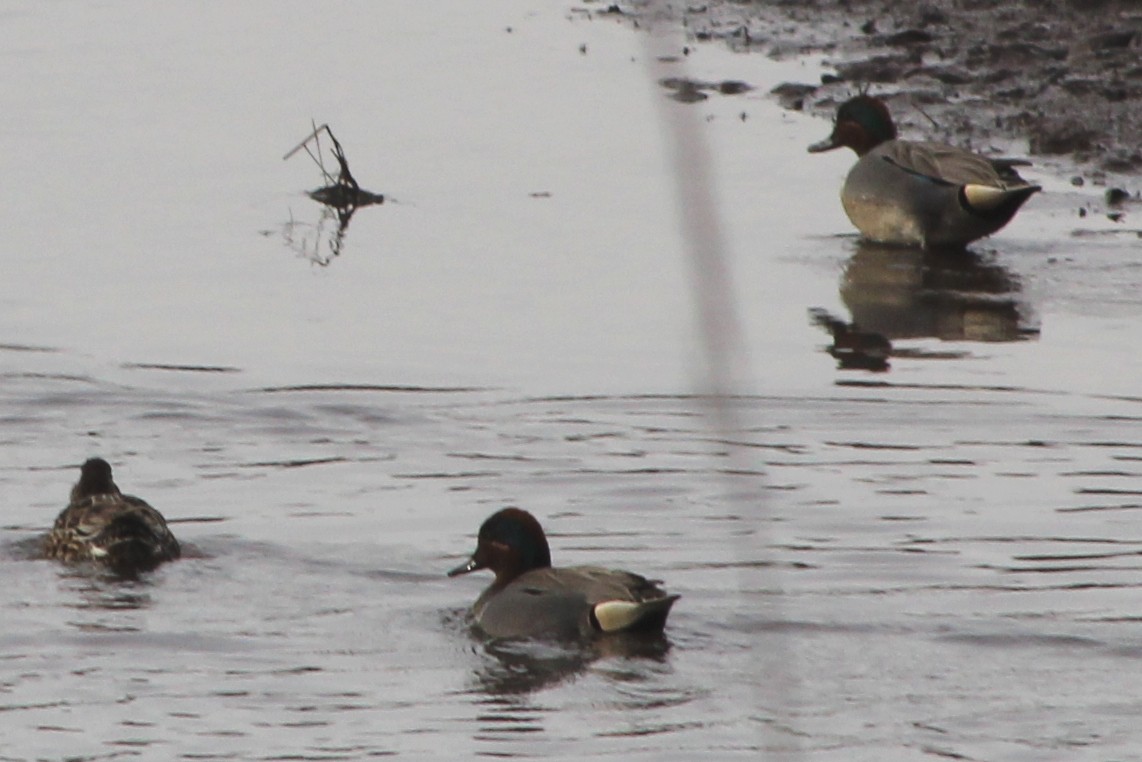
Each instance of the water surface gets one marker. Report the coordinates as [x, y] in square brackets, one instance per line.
[937, 560]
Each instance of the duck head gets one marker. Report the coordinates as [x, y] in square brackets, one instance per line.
[862, 123]
[510, 543]
[94, 479]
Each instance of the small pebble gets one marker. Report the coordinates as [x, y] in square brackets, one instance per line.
[1115, 196]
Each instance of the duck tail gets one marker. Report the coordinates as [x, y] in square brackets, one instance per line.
[130, 544]
[620, 616]
[987, 199]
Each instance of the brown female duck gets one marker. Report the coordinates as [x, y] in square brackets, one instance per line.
[103, 525]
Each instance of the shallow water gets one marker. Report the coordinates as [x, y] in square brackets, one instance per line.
[938, 560]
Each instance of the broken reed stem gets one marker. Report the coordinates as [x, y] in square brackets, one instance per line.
[315, 137]
[304, 143]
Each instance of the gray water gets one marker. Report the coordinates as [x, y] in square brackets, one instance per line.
[936, 561]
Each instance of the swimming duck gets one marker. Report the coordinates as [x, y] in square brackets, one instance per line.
[103, 525]
[530, 598]
[926, 194]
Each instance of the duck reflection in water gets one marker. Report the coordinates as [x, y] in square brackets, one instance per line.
[106, 592]
[898, 293]
[853, 347]
[512, 667]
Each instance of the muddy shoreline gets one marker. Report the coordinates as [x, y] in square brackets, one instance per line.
[1061, 78]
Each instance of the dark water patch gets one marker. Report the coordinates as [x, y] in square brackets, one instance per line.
[1021, 640]
[63, 729]
[1028, 540]
[913, 353]
[313, 514]
[71, 378]
[594, 436]
[1133, 619]
[100, 627]
[755, 473]
[41, 705]
[512, 458]
[647, 471]
[1100, 508]
[186, 415]
[297, 463]
[1076, 556]
[1062, 569]
[865, 550]
[975, 388]
[687, 90]
[944, 753]
[26, 348]
[512, 668]
[790, 449]
[302, 670]
[236, 475]
[567, 421]
[1035, 443]
[1124, 474]
[750, 625]
[181, 368]
[1107, 491]
[828, 463]
[356, 412]
[754, 564]
[1073, 587]
[371, 388]
[1119, 398]
[27, 548]
[873, 446]
[1111, 444]
[447, 475]
[655, 728]
[507, 723]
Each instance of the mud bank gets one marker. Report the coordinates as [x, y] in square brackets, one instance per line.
[1063, 76]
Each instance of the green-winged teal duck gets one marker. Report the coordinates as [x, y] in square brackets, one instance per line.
[103, 525]
[530, 598]
[926, 194]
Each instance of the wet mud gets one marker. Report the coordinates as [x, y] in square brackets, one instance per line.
[1066, 77]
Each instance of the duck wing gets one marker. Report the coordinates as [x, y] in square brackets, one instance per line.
[137, 537]
[572, 602]
[615, 600]
[595, 583]
[122, 531]
[950, 165]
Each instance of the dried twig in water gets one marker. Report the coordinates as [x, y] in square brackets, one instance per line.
[342, 193]
[315, 137]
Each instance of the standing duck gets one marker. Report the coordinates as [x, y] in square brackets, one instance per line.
[530, 598]
[103, 525]
[927, 194]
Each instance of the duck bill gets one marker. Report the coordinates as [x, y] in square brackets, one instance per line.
[470, 565]
[827, 144]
